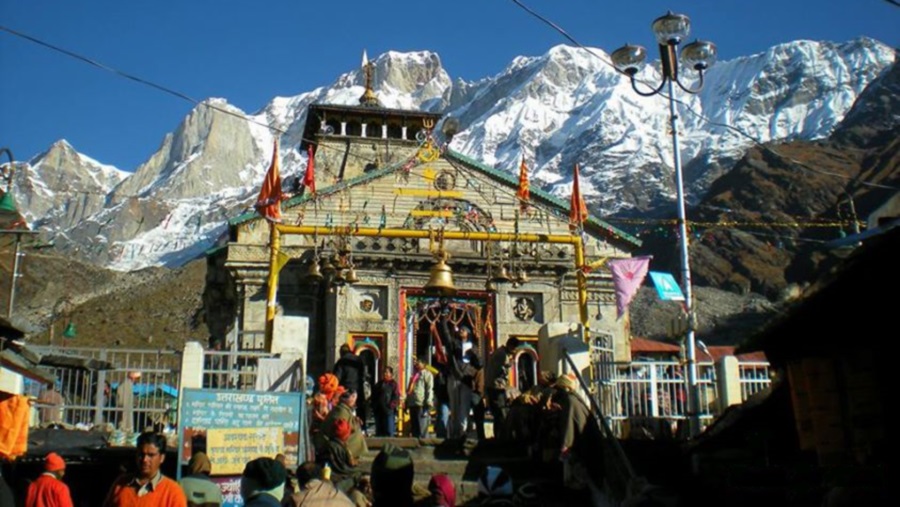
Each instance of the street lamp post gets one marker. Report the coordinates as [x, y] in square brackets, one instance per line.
[670, 30]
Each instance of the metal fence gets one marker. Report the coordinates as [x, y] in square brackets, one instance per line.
[755, 378]
[656, 390]
[231, 369]
[92, 396]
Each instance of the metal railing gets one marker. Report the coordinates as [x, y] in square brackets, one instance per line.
[231, 369]
[755, 377]
[642, 390]
[91, 396]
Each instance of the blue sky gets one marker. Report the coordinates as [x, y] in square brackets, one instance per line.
[251, 51]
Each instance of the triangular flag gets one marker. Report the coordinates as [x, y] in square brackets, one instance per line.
[269, 202]
[281, 260]
[309, 179]
[524, 192]
[628, 275]
[578, 209]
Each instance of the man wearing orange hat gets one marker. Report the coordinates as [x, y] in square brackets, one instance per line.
[338, 456]
[49, 490]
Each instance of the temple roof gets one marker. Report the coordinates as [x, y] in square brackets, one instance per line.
[556, 204]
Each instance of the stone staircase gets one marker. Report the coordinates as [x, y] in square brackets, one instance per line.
[535, 483]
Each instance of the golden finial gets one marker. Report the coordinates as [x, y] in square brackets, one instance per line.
[368, 97]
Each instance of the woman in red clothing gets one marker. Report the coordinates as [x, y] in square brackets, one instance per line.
[49, 490]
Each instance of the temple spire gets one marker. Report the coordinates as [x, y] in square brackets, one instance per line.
[368, 97]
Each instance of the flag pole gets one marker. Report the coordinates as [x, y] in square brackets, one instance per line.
[272, 282]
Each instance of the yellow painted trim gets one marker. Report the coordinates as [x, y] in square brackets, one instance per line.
[307, 230]
[431, 213]
[418, 192]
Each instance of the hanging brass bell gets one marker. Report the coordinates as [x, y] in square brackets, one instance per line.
[522, 277]
[327, 266]
[440, 280]
[314, 274]
[502, 276]
[490, 286]
[351, 276]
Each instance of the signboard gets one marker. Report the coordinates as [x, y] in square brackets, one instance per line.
[230, 449]
[666, 286]
[231, 490]
[234, 427]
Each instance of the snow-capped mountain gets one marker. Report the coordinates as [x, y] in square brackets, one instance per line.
[557, 109]
[63, 187]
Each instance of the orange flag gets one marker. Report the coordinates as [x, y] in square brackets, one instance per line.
[578, 209]
[269, 202]
[309, 179]
[524, 192]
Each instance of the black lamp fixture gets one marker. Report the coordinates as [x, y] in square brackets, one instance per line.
[670, 31]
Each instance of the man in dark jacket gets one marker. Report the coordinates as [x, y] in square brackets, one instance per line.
[344, 467]
[496, 380]
[385, 400]
[262, 483]
[351, 373]
[462, 364]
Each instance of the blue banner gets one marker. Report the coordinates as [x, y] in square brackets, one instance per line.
[666, 286]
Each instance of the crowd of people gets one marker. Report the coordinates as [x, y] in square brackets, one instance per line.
[265, 482]
[453, 384]
[457, 389]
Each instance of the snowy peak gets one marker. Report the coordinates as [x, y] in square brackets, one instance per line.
[210, 150]
[65, 183]
[564, 107]
[412, 80]
[800, 89]
[63, 157]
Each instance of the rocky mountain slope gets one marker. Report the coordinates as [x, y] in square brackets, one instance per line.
[149, 308]
[771, 204]
[563, 107]
[783, 201]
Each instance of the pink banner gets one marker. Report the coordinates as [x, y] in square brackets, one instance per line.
[628, 275]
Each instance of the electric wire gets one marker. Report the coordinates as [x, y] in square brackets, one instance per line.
[159, 87]
[530, 11]
[757, 142]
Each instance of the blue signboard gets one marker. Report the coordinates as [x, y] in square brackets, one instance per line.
[666, 286]
[234, 427]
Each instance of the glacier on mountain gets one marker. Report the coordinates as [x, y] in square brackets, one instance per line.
[567, 106]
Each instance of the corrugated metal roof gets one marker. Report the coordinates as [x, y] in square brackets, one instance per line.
[643, 345]
[716, 352]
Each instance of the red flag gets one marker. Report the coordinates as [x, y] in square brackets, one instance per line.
[268, 204]
[578, 210]
[309, 179]
[524, 192]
